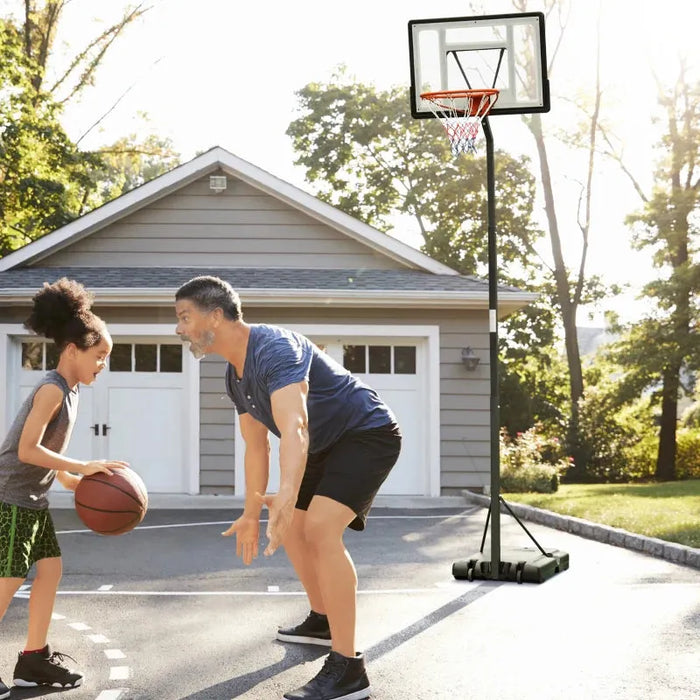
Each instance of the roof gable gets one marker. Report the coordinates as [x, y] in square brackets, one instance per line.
[211, 162]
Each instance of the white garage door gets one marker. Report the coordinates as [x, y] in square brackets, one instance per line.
[397, 369]
[135, 411]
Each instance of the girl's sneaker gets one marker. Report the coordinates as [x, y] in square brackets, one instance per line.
[45, 668]
[4, 690]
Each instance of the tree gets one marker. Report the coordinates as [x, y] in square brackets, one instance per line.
[42, 173]
[368, 157]
[45, 179]
[664, 346]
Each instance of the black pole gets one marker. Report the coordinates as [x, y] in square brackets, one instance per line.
[495, 510]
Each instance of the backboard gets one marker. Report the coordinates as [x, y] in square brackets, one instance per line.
[506, 52]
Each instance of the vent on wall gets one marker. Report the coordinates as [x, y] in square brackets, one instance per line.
[217, 183]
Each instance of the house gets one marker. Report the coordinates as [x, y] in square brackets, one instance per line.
[393, 315]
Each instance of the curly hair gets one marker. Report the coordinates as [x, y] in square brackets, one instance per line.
[62, 312]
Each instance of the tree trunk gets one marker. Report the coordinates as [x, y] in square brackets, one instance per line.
[567, 306]
[666, 456]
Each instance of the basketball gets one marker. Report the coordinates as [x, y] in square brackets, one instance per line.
[111, 505]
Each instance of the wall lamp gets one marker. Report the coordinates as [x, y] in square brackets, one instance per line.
[469, 359]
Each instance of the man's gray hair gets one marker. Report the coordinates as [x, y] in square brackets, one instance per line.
[209, 293]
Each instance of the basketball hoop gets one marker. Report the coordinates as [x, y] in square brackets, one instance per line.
[461, 112]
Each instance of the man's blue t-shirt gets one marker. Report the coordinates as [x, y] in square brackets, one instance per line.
[337, 401]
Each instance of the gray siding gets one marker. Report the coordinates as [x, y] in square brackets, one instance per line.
[241, 227]
[464, 402]
[464, 399]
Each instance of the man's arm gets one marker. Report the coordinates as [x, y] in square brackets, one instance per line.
[257, 470]
[291, 418]
[256, 461]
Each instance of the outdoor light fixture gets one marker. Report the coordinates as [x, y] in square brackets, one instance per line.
[217, 183]
[469, 359]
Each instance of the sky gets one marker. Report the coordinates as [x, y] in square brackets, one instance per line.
[225, 72]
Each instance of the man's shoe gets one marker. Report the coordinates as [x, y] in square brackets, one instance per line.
[4, 690]
[45, 668]
[341, 678]
[314, 630]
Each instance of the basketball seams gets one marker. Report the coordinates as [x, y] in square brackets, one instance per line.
[119, 488]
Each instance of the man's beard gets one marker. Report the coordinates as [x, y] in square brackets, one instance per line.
[198, 350]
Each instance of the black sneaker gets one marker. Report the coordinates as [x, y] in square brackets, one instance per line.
[314, 630]
[341, 678]
[45, 668]
[4, 690]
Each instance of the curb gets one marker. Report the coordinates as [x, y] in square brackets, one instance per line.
[661, 549]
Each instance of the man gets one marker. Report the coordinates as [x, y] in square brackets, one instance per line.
[338, 442]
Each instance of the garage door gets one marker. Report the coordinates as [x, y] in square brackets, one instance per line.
[135, 411]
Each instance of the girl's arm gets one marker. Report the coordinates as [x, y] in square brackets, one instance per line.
[46, 405]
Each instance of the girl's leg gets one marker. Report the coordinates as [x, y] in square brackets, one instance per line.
[8, 588]
[41, 601]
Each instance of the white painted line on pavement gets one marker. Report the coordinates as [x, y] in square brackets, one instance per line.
[56, 616]
[113, 694]
[114, 653]
[218, 523]
[98, 639]
[378, 591]
[273, 589]
[106, 587]
[80, 626]
[118, 673]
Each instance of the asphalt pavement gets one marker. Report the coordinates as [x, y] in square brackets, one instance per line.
[167, 612]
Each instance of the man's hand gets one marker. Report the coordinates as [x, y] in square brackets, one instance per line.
[247, 531]
[281, 508]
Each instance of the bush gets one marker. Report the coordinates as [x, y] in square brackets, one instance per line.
[688, 454]
[617, 441]
[531, 462]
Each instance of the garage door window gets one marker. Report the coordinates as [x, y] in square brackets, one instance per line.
[39, 355]
[145, 357]
[380, 359]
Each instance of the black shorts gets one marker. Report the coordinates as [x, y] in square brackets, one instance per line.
[351, 470]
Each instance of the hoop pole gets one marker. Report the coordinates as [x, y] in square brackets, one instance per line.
[495, 506]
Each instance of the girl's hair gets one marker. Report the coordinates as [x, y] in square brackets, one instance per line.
[62, 312]
[209, 293]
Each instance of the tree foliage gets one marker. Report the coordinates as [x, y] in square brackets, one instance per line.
[366, 155]
[45, 179]
[43, 175]
[662, 350]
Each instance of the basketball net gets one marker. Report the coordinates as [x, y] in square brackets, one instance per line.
[461, 112]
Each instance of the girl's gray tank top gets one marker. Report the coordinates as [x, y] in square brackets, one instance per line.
[27, 485]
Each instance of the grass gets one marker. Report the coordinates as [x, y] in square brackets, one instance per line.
[668, 510]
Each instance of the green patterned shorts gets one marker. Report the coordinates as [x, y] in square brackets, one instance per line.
[26, 536]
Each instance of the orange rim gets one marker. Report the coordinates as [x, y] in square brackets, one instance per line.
[477, 108]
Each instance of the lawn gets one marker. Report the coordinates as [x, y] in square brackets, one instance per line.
[669, 510]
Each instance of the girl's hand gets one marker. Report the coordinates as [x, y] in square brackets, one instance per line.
[247, 531]
[101, 465]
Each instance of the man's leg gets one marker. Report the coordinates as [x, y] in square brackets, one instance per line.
[297, 549]
[335, 575]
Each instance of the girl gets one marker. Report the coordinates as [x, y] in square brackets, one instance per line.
[32, 456]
